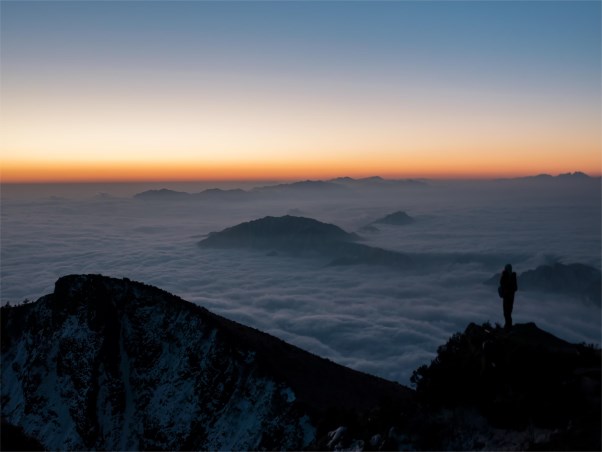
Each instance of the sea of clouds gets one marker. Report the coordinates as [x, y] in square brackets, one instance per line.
[382, 320]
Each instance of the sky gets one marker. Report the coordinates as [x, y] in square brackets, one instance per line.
[153, 90]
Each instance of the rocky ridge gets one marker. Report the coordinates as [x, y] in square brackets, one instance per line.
[104, 363]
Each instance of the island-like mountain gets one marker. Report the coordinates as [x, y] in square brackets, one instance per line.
[302, 236]
[273, 232]
[111, 364]
[398, 218]
[575, 279]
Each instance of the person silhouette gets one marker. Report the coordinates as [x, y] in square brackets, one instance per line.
[507, 289]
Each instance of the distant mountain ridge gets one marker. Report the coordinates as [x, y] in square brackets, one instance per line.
[165, 194]
[575, 176]
[162, 194]
[306, 185]
[340, 186]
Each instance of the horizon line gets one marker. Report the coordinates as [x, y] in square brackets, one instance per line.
[294, 179]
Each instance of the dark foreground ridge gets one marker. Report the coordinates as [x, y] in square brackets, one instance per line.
[106, 363]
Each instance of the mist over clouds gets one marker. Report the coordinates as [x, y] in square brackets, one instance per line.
[378, 319]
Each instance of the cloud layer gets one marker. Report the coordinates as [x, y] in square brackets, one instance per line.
[381, 320]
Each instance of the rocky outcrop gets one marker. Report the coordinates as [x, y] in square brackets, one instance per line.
[540, 392]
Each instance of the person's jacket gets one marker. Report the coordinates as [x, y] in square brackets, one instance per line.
[508, 284]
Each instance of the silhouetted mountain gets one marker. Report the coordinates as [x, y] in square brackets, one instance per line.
[307, 186]
[576, 176]
[373, 180]
[302, 237]
[341, 187]
[398, 218]
[288, 232]
[377, 182]
[163, 194]
[112, 364]
[335, 187]
[218, 194]
[575, 279]
[223, 195]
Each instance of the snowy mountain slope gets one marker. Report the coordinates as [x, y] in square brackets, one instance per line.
[104, 363]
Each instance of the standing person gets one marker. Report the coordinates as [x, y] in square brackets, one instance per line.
[508, 286]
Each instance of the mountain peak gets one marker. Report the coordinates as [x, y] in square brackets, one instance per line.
[574, 175]
[277, 232]
[106, 363]
[94, 291]
[162, 194]
[398, 218]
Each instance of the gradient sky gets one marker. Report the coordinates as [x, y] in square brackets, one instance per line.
[205, 90]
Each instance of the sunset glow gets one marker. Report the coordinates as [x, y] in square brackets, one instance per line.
[193, 90]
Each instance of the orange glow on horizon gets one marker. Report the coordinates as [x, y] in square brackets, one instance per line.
[461, 167]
